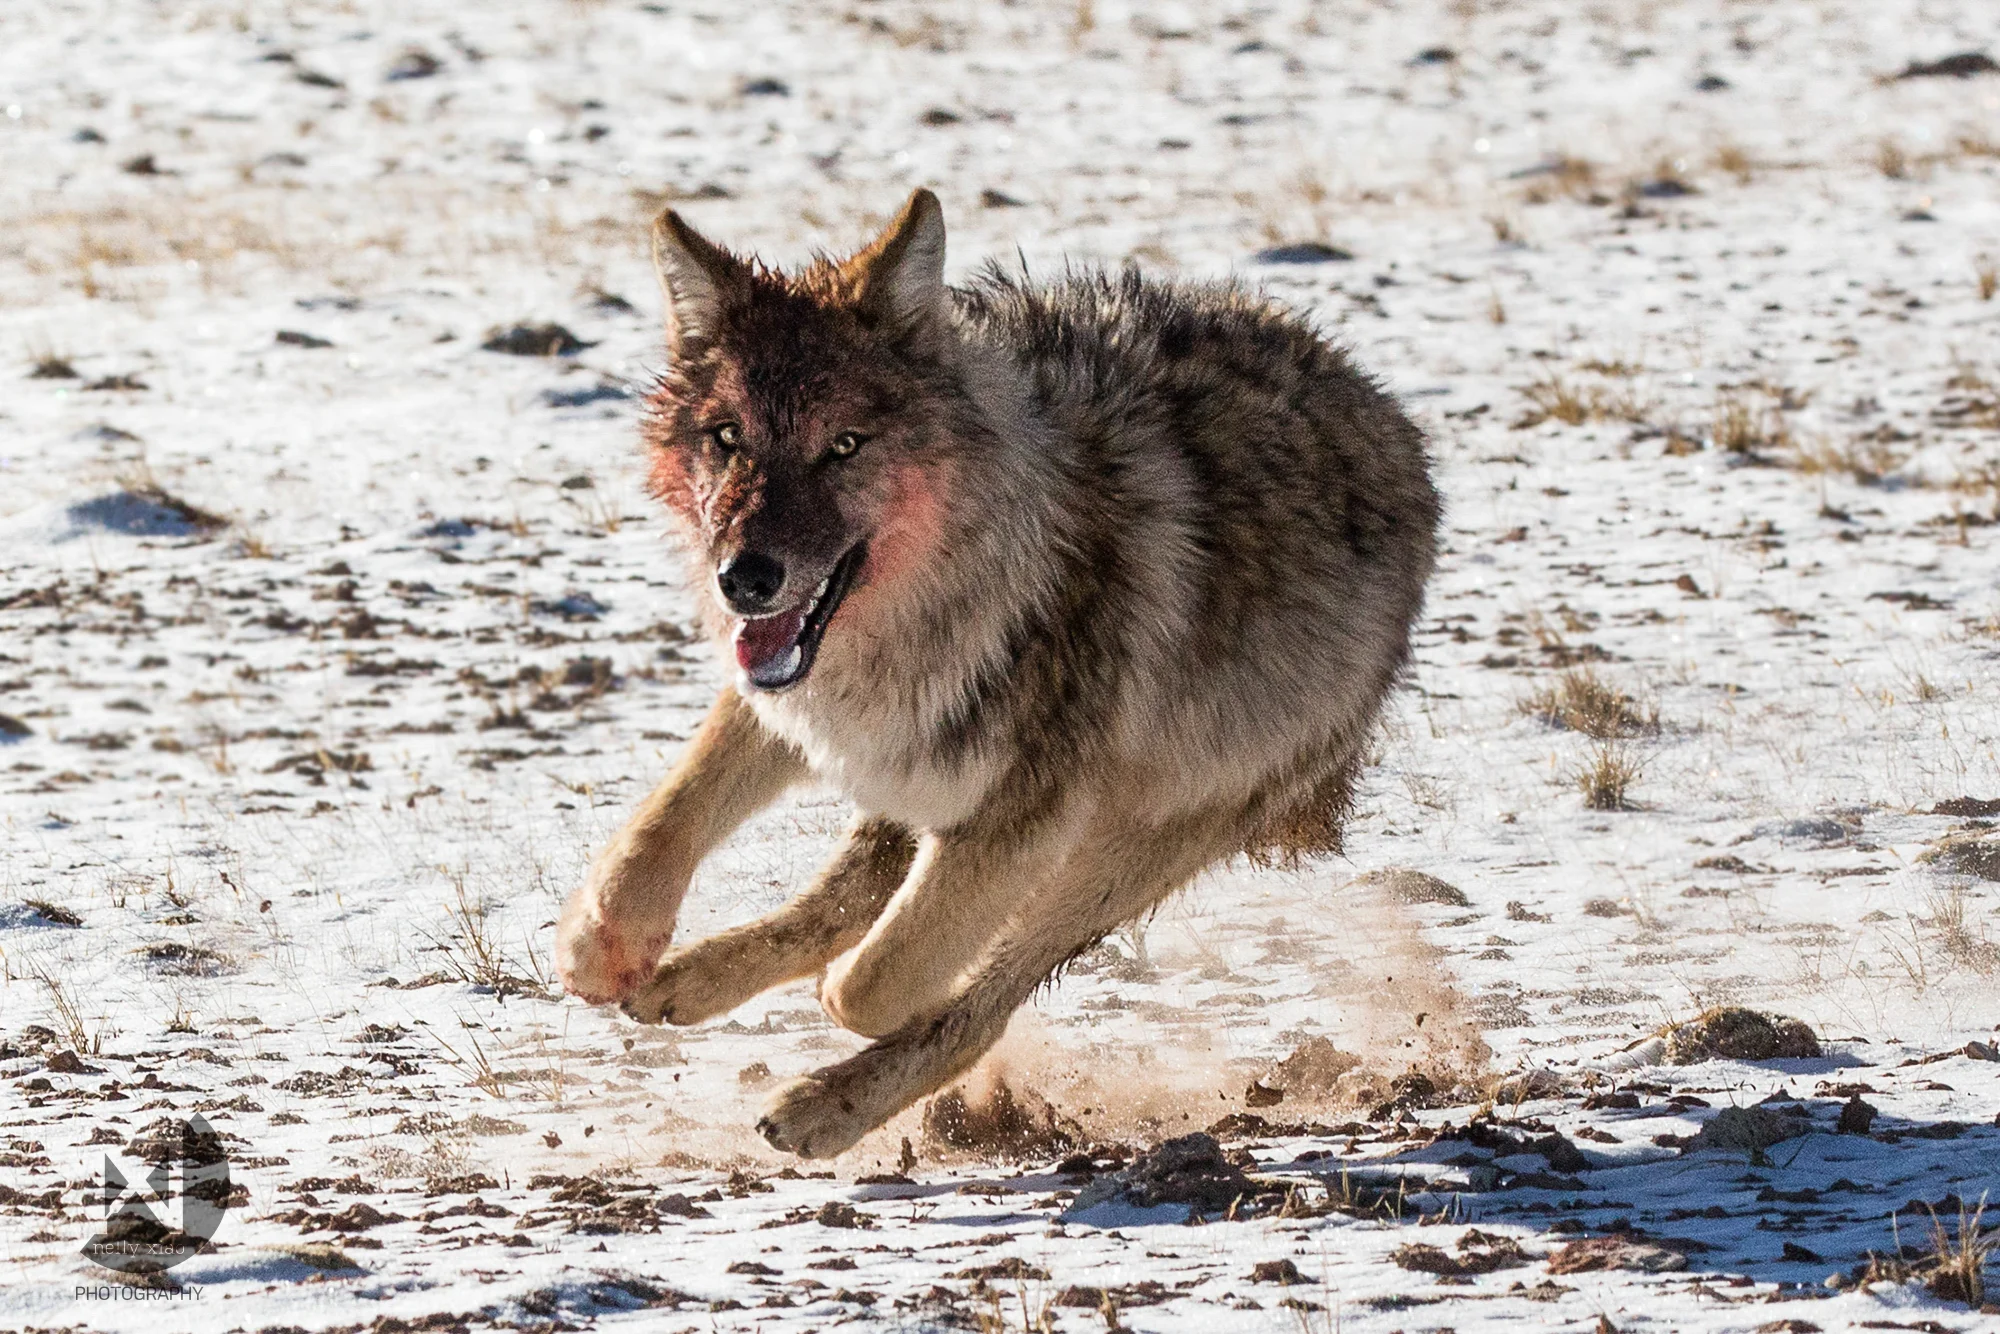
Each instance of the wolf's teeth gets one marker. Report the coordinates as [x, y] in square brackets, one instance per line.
[820, 592]
[792, 660]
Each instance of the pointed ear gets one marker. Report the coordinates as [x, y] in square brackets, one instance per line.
[901, 273]
[694, 273]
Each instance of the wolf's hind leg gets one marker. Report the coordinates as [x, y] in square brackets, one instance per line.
[711, 976]
[960, 892]
[1100, 887]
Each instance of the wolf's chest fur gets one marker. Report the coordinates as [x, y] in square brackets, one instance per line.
[876, 752]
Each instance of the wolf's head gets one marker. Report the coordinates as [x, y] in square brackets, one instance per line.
[794, 431]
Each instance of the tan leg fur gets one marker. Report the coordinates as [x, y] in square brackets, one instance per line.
[959, 893]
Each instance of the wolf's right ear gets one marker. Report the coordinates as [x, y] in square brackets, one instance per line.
[693, 272]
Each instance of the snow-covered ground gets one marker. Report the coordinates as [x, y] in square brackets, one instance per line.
[332, 644]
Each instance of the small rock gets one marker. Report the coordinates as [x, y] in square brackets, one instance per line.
[1974, 808]
[1190, 1170]
[535, 340]
[1963, 65]
[1977, 858]
[838, 1213]
[1855, 1116]
[414, 64]
[359, 1217]
[765, 88]
[1816, 832]
[1666, 188]
[1407, 886]
[1615, 1252]
[1749, 1129]
[1563, 1155]
[1303, 252]
[580, 398]
[1276, 1271]
[1478, 1253]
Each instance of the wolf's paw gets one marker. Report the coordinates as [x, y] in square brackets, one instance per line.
[818, 1116]
[597, 961]
[690, 985]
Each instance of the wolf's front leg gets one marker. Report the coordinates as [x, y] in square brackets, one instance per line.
[701, 980]
[615, 927]
[1108, 881]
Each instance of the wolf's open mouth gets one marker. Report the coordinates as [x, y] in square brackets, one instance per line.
[777, 651]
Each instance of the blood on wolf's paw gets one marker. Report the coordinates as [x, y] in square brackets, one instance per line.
[597, 964]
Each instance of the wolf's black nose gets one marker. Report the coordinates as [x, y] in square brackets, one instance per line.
[749, 582]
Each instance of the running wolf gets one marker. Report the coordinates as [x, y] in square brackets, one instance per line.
[1074, 589]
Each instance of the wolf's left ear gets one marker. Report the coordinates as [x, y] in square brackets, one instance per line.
[694, 272]
[901, 273]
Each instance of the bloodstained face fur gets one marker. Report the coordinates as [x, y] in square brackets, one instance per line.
[787, 428]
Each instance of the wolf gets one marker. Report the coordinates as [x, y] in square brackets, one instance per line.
[1073, 588]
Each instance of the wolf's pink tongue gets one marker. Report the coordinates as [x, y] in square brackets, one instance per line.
[762, 641]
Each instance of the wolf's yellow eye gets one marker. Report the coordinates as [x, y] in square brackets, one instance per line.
[726, 436]
[846, 443]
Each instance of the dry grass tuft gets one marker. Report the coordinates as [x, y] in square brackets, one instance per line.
[137, 478]
[1745, 428]
[1955, 1268]
[1865, 458]
[1734, 159]
[1606, 777]
[1959, 1272]
[1891, 160]
[475, 954]
[1562, 176]
[1987, 273]
[1581, 701]
[1557, 399]
[83, 1040]
[1957, 937]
